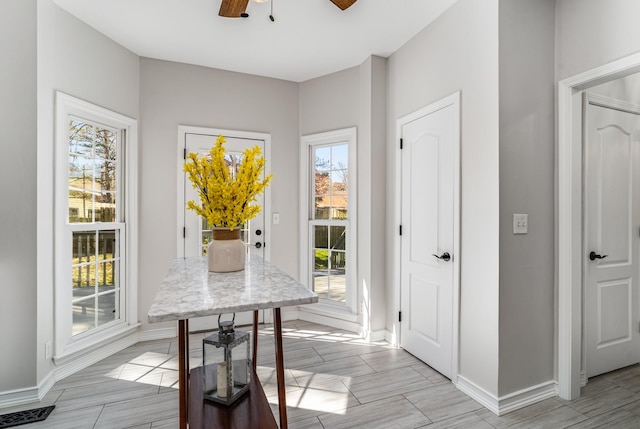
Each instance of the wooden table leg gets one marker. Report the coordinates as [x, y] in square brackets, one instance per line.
[183, 370]
[282, 398]
[255, 340]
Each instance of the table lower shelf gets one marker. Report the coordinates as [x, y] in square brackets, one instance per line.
[250, 411]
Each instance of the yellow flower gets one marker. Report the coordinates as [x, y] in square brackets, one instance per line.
[225, 198]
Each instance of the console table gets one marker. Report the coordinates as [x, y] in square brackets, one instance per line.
[189, 290]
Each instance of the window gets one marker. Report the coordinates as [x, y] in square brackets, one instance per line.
[329, 260]
[93, 288]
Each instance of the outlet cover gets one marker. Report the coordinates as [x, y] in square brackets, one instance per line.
[520, 223]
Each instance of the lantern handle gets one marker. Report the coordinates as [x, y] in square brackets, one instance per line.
[233, 320]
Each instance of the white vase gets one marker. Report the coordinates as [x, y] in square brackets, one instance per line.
[226, 252]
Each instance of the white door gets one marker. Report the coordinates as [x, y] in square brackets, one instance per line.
[197, 233]
[612, 227]
[429, 234]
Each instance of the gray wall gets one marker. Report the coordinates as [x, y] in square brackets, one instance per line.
[458, 52]
[18, 193]
[330, 102]
[173, 94]
[77, 60]
[371, 193]
[590, 33]
[527, 148]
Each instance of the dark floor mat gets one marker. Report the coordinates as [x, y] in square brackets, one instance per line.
[24, 417]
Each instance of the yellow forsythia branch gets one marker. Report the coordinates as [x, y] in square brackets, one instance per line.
[226, 199]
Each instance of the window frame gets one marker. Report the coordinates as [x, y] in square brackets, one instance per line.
[307, 220]
[67, 345]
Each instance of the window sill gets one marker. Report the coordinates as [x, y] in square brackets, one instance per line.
[75, 349]
[330, 310]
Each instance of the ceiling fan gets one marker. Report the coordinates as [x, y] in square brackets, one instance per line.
[238, 8]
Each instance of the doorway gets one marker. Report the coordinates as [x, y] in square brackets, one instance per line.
[429, 251]
[193, 232]
[571, 257]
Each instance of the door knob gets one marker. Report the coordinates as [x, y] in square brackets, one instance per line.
[593, 256]
[258, 245]
[258, 232]
[444, 257]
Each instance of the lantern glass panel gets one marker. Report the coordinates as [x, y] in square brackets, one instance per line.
[226, 366]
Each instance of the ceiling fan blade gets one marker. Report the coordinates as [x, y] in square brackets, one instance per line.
[343, 4]
[233, 8]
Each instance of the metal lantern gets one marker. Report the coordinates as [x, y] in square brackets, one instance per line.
[226, 363]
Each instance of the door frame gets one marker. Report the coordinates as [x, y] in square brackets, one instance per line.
[569, 223]
[183, 130]
[453, 99]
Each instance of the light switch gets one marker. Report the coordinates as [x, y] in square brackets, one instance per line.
[276, 218]
[520, 223]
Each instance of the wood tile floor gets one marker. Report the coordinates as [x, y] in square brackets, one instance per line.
[334, 380]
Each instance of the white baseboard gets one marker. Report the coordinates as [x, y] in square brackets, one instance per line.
[158, 334]
[65, 369]
[68, 368]
[12, 398]
[379, 335]
[391, 338]
[511, 402]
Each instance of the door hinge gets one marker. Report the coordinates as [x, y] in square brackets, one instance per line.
[399, 316]
[400, 229]
[184, 232]
[184, 153]
[401, 145]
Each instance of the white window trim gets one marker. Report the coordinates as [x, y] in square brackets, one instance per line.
[67, 346]
[349, 310]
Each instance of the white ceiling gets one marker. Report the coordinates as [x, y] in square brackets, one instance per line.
[309, 38]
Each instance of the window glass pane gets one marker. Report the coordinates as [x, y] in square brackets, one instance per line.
[338, 207]
[322, 158]
[83, 315]
[339, 156]
[338, 237]
[108, 304]
[338, 288]
[207, 235]
[233, 160]
[83, 246]
[105, 211]
[81, 137]
[338, 263]
[105, 144]
[106, 176]
[107, 248]
[106, 276]
[322, 212]
[321, 273]
[108, 308]
[321, 237]
[81, 189]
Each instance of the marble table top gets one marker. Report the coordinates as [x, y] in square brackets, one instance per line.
[189, 290]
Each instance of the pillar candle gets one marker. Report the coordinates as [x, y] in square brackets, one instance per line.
[222, 380]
